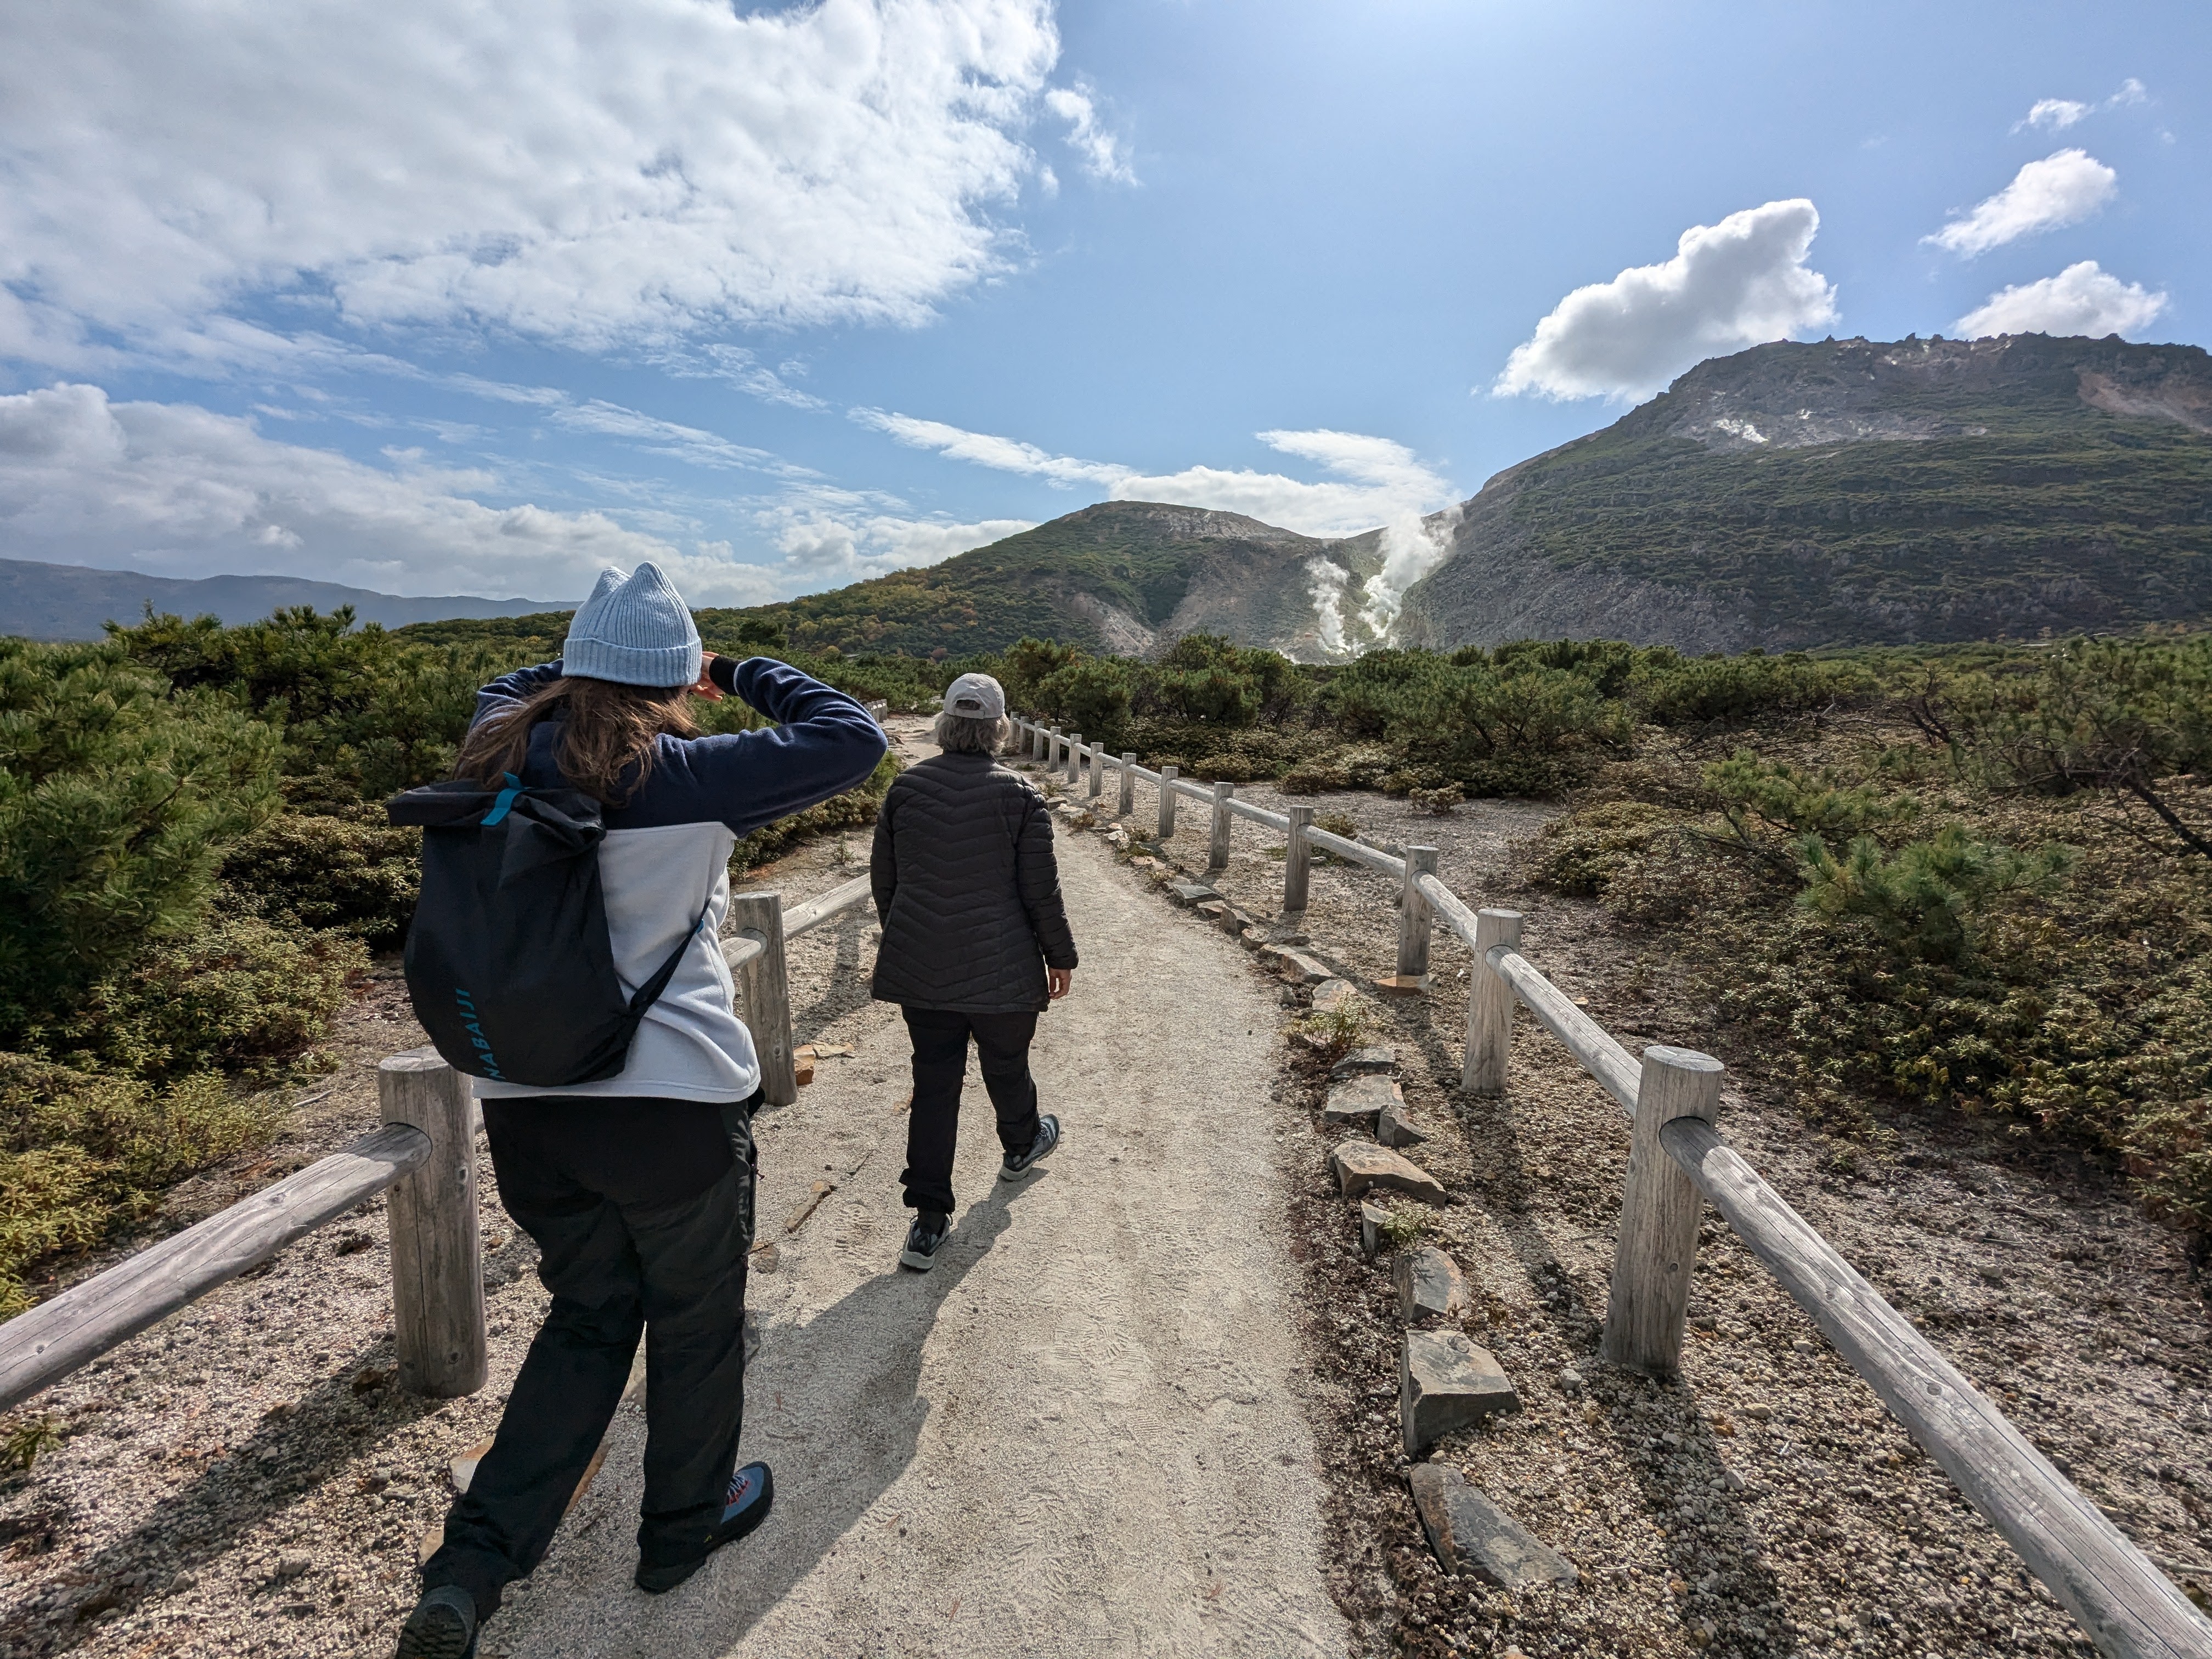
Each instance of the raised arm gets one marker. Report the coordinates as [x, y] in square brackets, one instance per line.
[824, 743]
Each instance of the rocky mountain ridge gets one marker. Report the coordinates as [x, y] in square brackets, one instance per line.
[1853, 492]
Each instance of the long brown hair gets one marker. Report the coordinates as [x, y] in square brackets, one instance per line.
[608, 734]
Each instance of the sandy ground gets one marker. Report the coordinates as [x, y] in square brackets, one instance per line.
[1083, 1433]
[1080, 1434]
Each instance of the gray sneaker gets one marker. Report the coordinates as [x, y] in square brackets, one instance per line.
[1022, 1168]
[924, 1239]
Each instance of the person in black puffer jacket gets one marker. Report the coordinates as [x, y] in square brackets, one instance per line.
[975, 943]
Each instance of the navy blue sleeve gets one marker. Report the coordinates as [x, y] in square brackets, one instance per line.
[509, 690]
[822, 744]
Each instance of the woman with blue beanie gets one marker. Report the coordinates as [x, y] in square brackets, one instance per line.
[638, 1189]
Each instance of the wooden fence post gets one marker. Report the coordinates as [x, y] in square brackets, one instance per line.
[766, 994]
[1168, 774]
[1297, 857]
[1075, 758]
[1416, 918]
[437, 1256]
[1658, 1246]
[1490, 1004]
[1128, 803]
[1217, 851]
[1098, 772]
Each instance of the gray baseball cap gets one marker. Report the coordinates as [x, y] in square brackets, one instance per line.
[975, 698]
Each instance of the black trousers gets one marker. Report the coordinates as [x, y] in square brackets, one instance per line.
[642, 1211]
[940, 1062]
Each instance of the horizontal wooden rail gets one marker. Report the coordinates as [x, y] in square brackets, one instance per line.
[1589, 1042]
[2125, 1604]
[1358, 852]
[833, 903]
[40, 1347]
[1261, 815]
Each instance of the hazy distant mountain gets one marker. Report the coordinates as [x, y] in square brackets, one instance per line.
[70, 602]
[1851, 492]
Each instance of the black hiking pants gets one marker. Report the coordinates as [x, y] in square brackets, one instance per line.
[940, 1062]
[642, 1210]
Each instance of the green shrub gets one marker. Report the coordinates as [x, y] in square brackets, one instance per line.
[359, 876]
[80, 1154]
[117, 804]
[1929, 900]
[1732, 691]
[237, 995]
[1585, 851]
[1090, 696]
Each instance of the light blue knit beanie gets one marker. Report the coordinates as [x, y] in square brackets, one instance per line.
[635, 629]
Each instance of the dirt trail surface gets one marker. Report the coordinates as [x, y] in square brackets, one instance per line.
[1082, 1434]
[1766, 1504]
[1079, 1433]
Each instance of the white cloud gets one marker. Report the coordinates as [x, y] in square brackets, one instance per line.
[2054, 113]
[2063, 188]
[175, 489]
[1100, 151]
[1375, 480]
[1741, 282]
[1001, 454]
[828, 542]
[2079, 299]
[685, 443]
[742, 370]
[585, 172]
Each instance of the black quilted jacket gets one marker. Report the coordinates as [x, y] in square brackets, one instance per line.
[967, 889]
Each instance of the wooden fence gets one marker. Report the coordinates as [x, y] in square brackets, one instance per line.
[425, 1156]
[1676, 1156]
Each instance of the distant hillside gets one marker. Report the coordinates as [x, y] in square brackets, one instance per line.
[1122, 576]
[1849, 492]
[70, 602]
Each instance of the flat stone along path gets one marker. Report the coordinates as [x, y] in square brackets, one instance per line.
[1080, 1434]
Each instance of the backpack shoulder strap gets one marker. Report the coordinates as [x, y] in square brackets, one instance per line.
[649, 993]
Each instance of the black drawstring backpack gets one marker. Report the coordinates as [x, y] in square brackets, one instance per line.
[509, 964]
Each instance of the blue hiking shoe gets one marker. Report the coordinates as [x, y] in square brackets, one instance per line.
[752, 1490]
[442, 1626]
[1022, 1168]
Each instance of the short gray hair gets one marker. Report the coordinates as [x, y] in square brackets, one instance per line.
[960, 734]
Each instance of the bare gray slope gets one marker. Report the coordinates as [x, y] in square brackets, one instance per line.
[1080, 1434]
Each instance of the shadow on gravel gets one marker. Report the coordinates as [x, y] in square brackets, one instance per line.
[286, 1458]
[857, 1366]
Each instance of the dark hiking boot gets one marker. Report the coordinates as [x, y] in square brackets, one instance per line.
[924, 1239]
[1022, 1168]
[752, 1490]
[442, 1626]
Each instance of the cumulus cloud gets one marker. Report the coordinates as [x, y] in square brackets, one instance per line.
[1374, 482]
[1100, 151]
[176, 489]
[2079, 299]
[586, 171]
[1737, 283]
[2063, 188]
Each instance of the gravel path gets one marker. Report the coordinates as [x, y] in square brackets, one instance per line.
[1083, 1433]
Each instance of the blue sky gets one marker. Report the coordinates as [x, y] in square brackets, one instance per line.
[786, 296]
